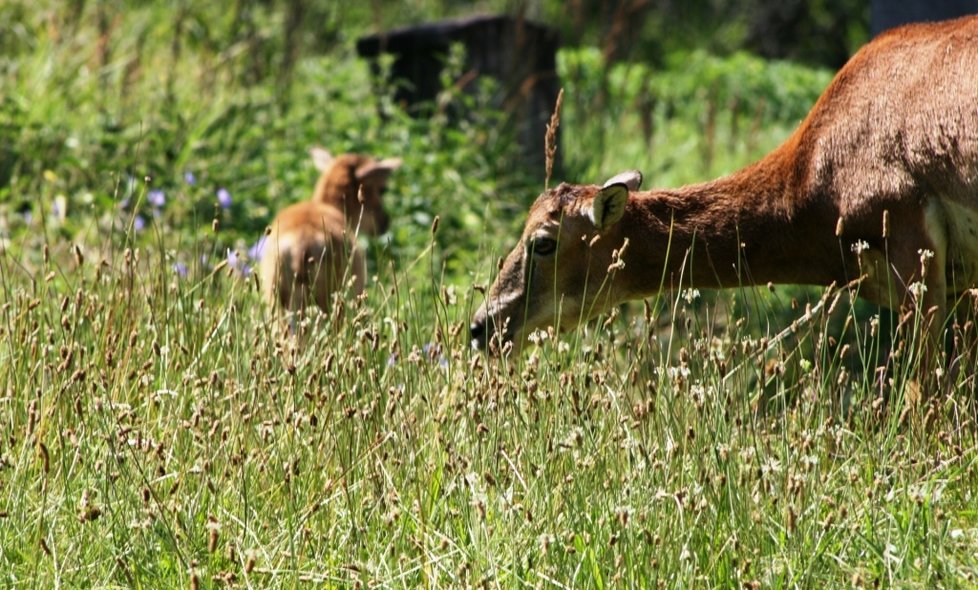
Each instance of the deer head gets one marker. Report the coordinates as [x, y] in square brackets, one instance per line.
[355, 184]
[558, 273]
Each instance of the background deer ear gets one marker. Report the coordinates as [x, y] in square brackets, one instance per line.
[609, 205]
[381, 168]
[321, 158]
[630, 178]
[391, 163]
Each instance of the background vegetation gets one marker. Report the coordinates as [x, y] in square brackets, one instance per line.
[160, 430]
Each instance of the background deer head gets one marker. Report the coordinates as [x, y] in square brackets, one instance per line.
[348, 178]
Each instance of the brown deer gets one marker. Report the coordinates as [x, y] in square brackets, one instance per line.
[879, 181]
[310, 250]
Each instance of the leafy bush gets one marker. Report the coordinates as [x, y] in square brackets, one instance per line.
[700, 117]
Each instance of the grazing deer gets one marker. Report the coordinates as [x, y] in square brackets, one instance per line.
[879, 181]
[310, 250]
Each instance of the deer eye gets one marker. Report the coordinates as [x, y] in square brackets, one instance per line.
[543, 246]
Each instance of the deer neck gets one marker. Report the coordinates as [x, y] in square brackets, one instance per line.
[328, 191]
[752, 227]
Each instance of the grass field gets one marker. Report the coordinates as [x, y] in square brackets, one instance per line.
[161, 428]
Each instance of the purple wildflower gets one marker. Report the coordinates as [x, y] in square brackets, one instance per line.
[138, 223]
[156, 198]
[255, 252]
[189, 178]
[238, 263]
[223, 198]
[180, 268]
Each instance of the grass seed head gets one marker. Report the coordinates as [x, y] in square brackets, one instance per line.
[45, 457]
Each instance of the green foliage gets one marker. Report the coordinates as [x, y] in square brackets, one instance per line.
[699, 117]
[816, 32]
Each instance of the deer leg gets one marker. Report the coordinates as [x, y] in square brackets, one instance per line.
[909, 274]
[933, 272]
[358, 267]
[920, 265]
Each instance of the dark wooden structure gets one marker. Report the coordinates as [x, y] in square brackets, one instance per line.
[887, 14]
[520, 54]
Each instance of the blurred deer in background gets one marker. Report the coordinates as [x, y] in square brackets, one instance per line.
[310, 250]
[879, 182]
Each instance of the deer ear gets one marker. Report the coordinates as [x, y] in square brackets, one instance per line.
[321, 158]
[381, 168]
[630, 178]
[390, 163]
[609, 205]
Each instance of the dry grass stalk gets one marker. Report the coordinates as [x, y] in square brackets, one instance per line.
[551, 138]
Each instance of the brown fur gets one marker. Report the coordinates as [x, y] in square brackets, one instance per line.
[311, 248]
[895, 134]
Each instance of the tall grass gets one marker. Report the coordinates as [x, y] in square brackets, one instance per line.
[161, 428]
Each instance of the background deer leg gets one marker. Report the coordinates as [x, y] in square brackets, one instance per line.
[359, 270]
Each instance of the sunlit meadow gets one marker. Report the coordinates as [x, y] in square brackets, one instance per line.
[162, 428]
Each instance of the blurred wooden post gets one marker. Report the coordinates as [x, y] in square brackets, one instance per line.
[294, 15]
[519, 54]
